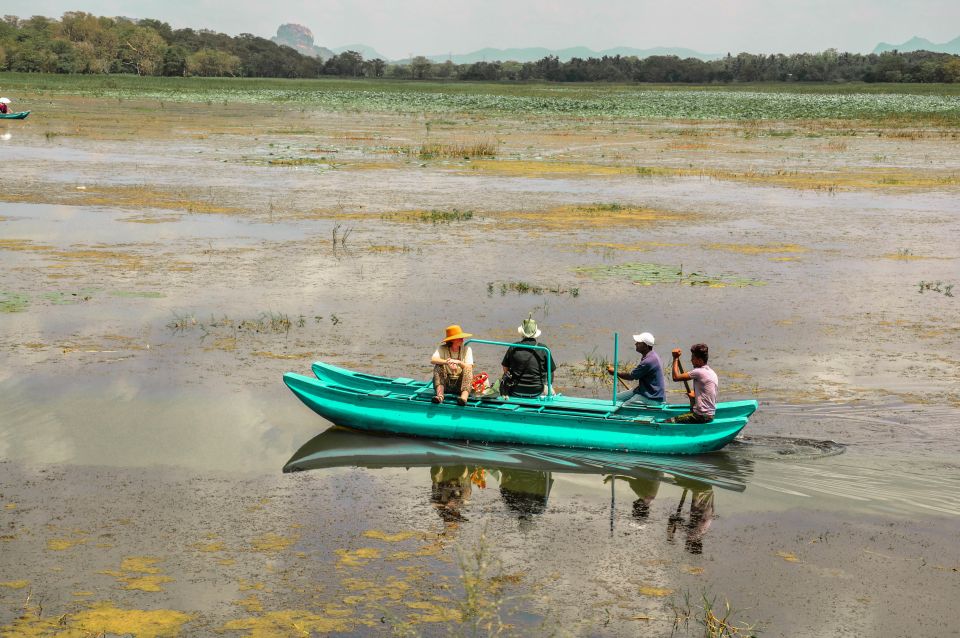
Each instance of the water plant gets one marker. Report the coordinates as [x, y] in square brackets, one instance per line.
[715, 621]
[465, 150]
[936, 286]
[648, 274]
[523, 287]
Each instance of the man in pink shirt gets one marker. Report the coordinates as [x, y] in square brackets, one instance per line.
[703, 397]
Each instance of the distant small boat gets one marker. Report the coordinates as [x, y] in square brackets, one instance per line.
[22, 115]
[403, 406]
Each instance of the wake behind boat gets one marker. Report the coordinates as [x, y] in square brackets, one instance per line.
[403, 406]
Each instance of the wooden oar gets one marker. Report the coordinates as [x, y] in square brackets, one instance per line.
[686, 384]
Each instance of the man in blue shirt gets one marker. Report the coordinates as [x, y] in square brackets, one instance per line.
[648, 375]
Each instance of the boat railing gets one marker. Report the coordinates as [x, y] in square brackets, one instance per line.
[550, 393]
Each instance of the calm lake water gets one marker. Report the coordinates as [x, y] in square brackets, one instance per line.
[152, 295]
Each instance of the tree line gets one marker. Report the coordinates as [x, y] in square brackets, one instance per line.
[83, 43]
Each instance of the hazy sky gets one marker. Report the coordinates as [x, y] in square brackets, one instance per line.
[398, 28]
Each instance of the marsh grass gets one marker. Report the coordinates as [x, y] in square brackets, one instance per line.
[936, 286]
[715, 621]
[265, 323]
[523, 288]
[429, 216]
[465, 150]
[482, 578]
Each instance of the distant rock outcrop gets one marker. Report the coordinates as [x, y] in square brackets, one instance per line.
[300, 39]
[920, 44]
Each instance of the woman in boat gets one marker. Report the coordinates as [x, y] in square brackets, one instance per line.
[452, 366]
[525, 369]
[4, 105]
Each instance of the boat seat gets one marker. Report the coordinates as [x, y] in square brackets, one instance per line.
[379, 393]
[404, 381]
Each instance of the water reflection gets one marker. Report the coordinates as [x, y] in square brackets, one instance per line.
[526, 476]
[450, 490]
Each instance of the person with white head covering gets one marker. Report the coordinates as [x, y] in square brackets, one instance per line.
[4, 105]
[525, 369]
[648, 374]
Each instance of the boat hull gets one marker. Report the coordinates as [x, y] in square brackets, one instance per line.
[360, 381]
[546, 423]
[22, 115]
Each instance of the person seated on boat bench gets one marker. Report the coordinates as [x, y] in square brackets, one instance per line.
[4, 109]
[452, 366]
[648, 375]
[703, 397]
[525, 369]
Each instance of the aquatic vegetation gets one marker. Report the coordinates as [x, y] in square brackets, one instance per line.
[589, 216]
[646, 274]
[389, 538]
[101, 619]
[356, 557]
[15, 584]
[265, 322]
[465, 150]
[13, 301]
[755, 249]
[429, 216]
[936, 286]
[761, 102]
[273, 543]
[299, 161]
[706, 615]
[61, 544]
[523, 287]
[288, 622]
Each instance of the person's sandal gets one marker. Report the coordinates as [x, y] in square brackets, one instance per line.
[437, 398]
[461, 401]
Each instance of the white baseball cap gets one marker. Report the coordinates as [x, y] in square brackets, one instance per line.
[644, 337]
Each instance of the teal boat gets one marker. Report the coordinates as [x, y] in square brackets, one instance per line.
[22, 115]
[402, 406]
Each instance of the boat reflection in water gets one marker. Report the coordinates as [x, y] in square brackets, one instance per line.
[525, 475]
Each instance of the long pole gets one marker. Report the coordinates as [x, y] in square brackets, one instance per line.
[616, 363]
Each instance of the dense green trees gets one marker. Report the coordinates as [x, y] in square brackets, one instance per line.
[82, 43]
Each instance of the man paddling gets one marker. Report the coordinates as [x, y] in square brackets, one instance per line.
[648, 374]
[703, 397]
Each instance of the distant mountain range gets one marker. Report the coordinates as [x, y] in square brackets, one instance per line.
[920, 44]
[532, 54]
[300, 38]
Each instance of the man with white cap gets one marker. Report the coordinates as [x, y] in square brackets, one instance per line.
[648, 374]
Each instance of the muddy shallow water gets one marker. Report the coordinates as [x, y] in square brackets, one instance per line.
[158, 274]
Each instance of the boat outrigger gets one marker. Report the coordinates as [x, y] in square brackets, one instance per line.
[402, 406]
